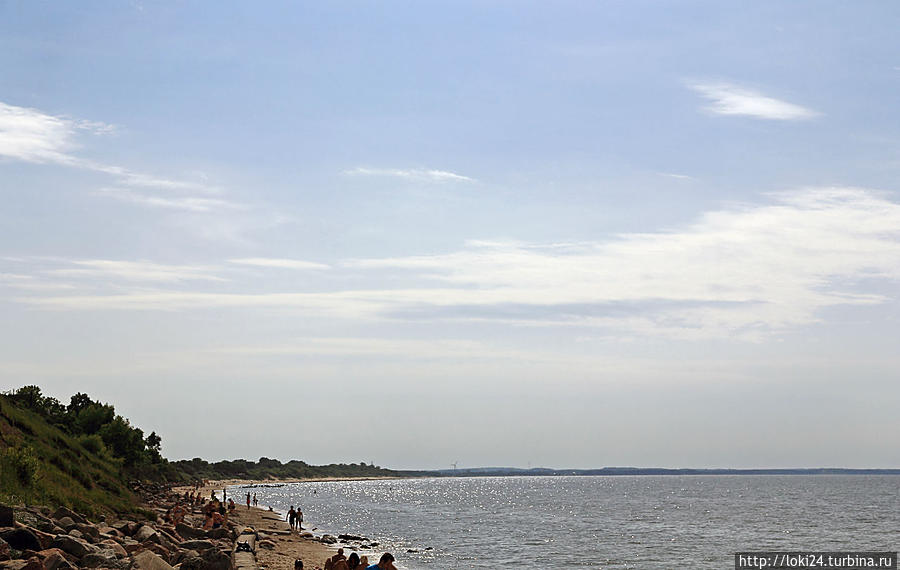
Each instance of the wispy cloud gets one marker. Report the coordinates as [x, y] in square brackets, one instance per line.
[411, 174]
[676, 176]
[730, 99]
[139, 271]
[30, 135]
[279, 263]
[188, 203]
[749, 271]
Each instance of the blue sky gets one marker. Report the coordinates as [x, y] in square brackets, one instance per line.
[490, 233]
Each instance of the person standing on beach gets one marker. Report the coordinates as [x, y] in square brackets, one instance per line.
[292, 517]
[248, 500]
[386, 563]
[299, 518]
[255, 501]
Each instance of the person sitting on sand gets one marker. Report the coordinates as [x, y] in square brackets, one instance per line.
[353, 561]
[338, 561]
[298, 564]
[386, 563]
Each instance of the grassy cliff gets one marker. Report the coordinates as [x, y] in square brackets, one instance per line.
[42, 464]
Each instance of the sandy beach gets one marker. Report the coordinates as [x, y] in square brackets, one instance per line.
[286, 546]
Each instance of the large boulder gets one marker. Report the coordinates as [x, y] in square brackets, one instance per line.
[187, 531]
[89, 531]
[147, 534]
[115, 547]
[103, 558]
[215, 559]
[146, 560]
[66, 523]
[33, 563]
[55, 559]
[198, 545]
[64, 512]
[21, 539]
[74, 546]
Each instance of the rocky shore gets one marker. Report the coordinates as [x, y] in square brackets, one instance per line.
[40, 538]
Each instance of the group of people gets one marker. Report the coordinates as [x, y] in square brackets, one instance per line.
[255, 502]
[354, 562]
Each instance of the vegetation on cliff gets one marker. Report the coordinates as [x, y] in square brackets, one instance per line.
[85, 456]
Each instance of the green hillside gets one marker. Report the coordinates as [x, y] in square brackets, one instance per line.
[79, 456]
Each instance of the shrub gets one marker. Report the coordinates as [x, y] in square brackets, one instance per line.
[92, 443]
[22, 462]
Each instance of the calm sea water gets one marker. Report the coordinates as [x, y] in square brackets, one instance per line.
[643, 522]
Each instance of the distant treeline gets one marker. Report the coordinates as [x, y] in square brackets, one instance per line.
[267, 468]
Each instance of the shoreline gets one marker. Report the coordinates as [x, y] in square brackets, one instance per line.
[278, 546]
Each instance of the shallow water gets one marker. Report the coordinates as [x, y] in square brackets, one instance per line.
[646, 522]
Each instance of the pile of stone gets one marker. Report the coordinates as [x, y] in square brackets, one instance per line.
[38, 538]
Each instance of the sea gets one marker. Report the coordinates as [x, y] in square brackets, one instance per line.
[615, 522]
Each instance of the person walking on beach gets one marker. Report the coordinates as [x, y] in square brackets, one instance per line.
[386, 563]
[255, 501]
[292, 517]
[248, 500]
[299, 518]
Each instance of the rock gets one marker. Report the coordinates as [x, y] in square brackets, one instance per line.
[191, 562]
[186, 531]
[21, 539]
[215, 559]
[108, 530]
[6, 516]
[267, 544]
[147, 560]
[115, 547]
[102, 559]
[74, 546]
[55, 560]
[66, 523]
[183, 555]
[217, 533]
[147, 534]
[198, 545]
[33, 563]
[63, 512]
[350, 537]
[89, 531]
[328, 539]
[76, 533]
[306, 534]
[163, 552]
[4, 550]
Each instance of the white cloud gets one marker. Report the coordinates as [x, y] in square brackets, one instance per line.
[279, 263]
[412, 174]
[749, 271]
[188, 203]
[30, 135]
[729, 99]
[676, 176]
[143, 271]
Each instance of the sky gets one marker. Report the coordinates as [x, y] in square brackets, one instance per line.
[494, 233]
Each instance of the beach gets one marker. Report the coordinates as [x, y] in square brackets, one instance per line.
[278, 547]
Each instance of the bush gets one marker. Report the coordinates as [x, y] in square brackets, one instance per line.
[92, 443]
[22, 462]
